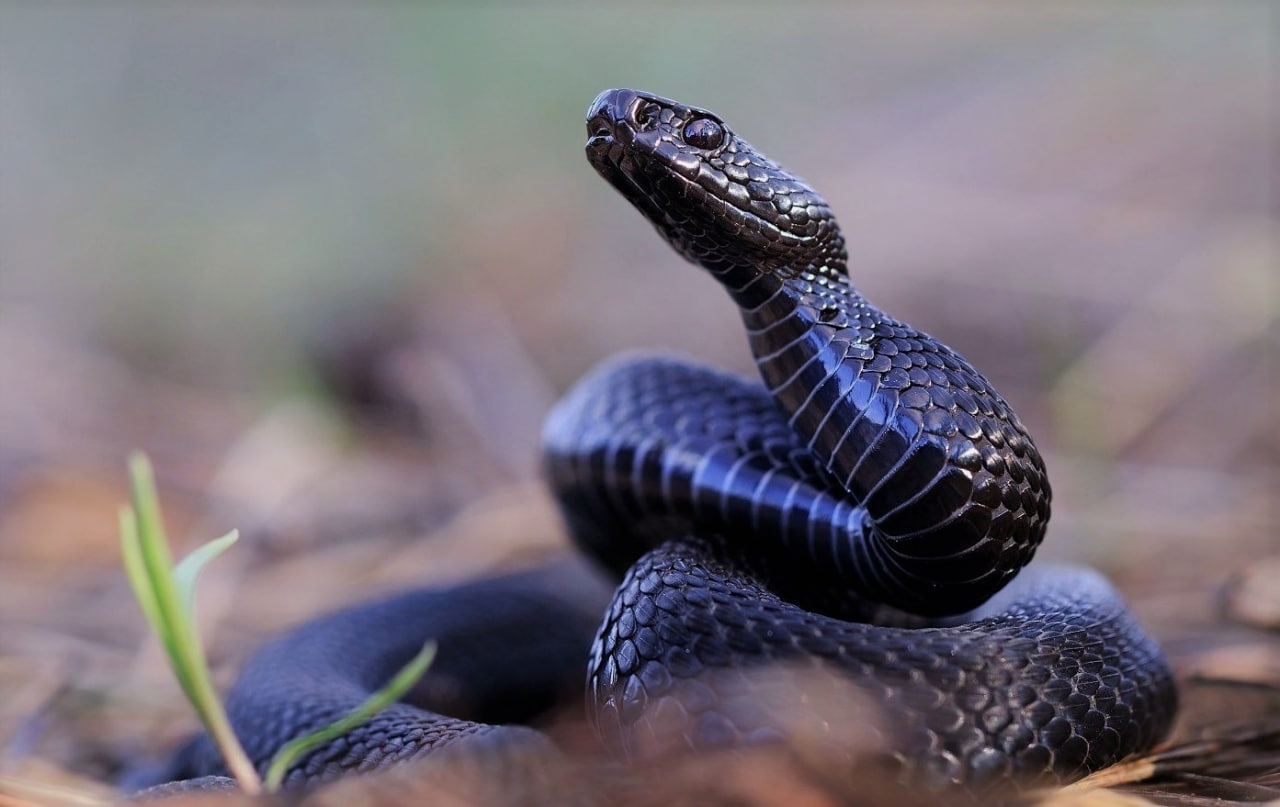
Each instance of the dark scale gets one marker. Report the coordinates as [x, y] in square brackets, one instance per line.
[876, 472]
[953, 493]
[828, 518]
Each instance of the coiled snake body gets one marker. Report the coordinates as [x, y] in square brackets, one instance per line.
[875, 473]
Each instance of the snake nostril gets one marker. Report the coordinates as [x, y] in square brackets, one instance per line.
[646, 115]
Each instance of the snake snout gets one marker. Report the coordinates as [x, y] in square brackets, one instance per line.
[611, 106]
[602, 126]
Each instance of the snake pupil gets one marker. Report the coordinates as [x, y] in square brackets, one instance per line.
[703, 133]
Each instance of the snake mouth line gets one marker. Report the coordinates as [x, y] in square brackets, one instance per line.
[616, 165]
[599, 142]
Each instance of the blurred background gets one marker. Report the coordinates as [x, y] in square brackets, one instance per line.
[331, 266]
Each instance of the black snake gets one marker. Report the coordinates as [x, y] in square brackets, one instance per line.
[875, 476]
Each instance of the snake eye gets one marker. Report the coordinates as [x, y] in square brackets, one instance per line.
[703, 133]
[646, 115]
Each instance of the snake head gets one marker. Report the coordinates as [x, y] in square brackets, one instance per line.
[714, 197]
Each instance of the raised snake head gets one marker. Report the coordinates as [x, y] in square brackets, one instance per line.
[717, 200]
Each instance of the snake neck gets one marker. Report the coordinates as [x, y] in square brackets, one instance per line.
[815, 287]
[810, 333]
[942, 466]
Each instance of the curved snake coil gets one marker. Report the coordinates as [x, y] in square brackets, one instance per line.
[875, 476]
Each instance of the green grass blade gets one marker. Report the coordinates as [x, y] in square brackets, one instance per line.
[398, 686]
[148, 563]
[131, 549]
[165, 595]
[188, 570]
[175, 630]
